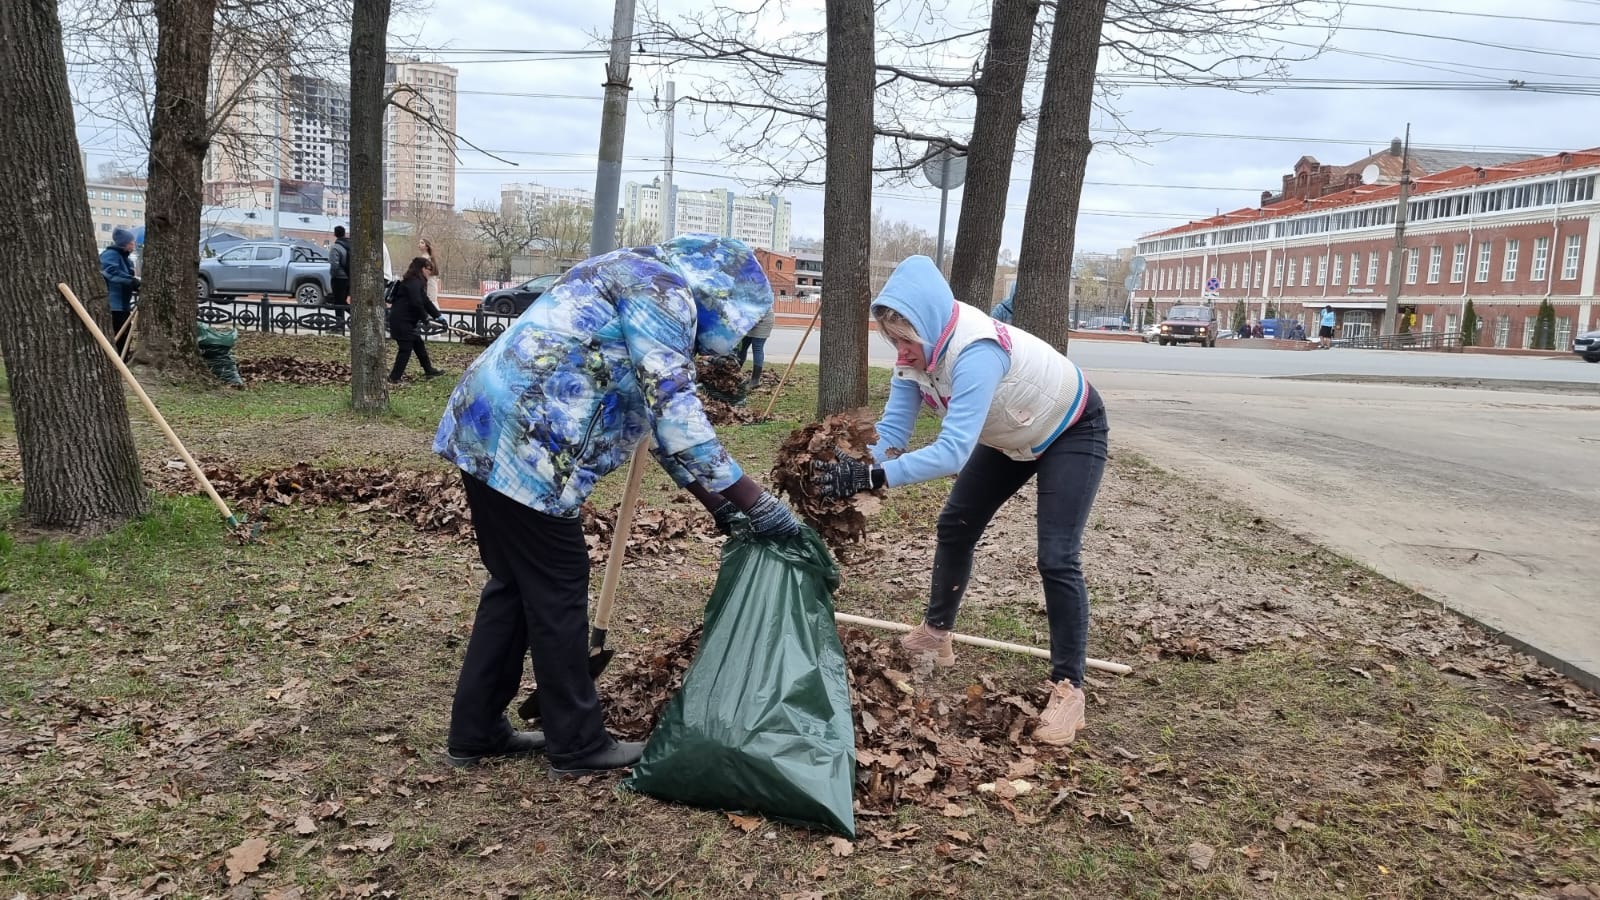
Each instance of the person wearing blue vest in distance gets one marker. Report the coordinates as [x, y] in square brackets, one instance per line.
[1325, 331]
[121, 283]
[564, 396]
[1013, 408]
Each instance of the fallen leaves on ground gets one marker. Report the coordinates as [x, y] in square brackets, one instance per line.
[721, 378]
[839, 522]
[293, 370]
[428, 501]
[246, 859]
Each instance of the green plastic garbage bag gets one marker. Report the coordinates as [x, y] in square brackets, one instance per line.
[762, 723]
[216, 348]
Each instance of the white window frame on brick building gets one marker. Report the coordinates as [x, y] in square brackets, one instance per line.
[1435, 263]
[1508, 270]
[1305, 273]
[1485, 250]
[1411, 266]
[1541, 259]
[1322, 270]
[1277, 273]
[1372, 268]
[1355, 269]
[1569, 259]
[1291, 272]
[1458, 264]
[1338, 269]
[1388, 266]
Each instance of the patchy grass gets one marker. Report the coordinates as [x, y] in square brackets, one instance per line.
[1301, 726]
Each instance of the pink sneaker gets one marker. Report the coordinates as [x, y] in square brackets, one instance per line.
[925, 640]
[1062, 716]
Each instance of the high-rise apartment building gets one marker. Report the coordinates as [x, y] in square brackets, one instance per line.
[418, 158]
[292, 127]
[519, 199]
[760, 221]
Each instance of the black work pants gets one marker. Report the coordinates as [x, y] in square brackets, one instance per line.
[119, 318]
[402, 356]
[339, 298]
[1069, 478]
[536, 603]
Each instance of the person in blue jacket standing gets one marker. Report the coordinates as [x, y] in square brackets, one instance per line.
[121, 283]
[1013, 409]
[1003, 310]
[600, 361]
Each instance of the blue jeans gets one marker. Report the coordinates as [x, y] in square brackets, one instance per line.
[757, 348]
[1069, 478]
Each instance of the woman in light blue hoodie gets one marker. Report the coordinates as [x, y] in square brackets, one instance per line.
[1013, 408]
[603, 358]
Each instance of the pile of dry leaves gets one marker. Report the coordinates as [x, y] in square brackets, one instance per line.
[428, 501]
[722, 378]
[839, 522]
[723, 413]
[293, 370]
[912, 744]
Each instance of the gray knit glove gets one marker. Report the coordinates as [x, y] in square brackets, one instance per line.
[769, 517]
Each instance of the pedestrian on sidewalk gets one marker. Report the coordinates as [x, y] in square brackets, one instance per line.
[121, 283]
[425, 248]
[411, 308]
[339, 277]
[1013, 408]
[1325, 330]
[756, 343]
[565, 395]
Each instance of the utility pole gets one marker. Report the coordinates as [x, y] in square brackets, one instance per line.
[613, 122]
[669, 206]
[1391, 307]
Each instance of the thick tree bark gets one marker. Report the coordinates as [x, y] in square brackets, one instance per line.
[369, 390]
[1044, 269]
[179, 139]
[847, 207]
[79, 465]
[990, 152]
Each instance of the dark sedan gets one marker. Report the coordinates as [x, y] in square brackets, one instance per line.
[512, 301]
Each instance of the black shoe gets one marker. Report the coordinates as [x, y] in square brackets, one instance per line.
[521, 744]
[619, 755]
[434, 374]
[397, 381]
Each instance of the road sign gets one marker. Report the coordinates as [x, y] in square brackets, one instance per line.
[947, 171]
[1137, 265]
[1213, 284]
[1131, 282]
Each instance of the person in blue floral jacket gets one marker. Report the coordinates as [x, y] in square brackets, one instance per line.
[602, 359]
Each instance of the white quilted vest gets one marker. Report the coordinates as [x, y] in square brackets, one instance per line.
[1041, 395]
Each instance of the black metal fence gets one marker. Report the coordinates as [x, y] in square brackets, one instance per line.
[1439, 341]
[280, 317]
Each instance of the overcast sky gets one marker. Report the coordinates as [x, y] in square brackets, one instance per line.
[539, 107]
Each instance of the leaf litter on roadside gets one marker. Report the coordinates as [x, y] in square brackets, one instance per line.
[293, 370]
[428, 501]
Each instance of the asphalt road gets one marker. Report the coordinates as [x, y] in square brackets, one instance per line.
[1095, 356]
[1485, 500]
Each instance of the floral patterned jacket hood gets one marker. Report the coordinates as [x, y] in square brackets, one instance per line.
[605, 355]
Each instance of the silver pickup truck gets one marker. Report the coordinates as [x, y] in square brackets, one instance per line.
[267, 267]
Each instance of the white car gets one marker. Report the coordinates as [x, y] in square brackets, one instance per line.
[1587, 345]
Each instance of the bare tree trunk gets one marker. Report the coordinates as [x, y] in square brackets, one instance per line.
[79, 465]
[369, 390]
[989, 154]
[846, 207]
[179, 138]
[1045, 268]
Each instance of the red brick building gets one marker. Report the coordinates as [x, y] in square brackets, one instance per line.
[780, 273]
[1506, 236]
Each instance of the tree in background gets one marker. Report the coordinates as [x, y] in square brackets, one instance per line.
[80, 468]
[1241, 316]
[1470, 324]
[847, 234]
[369, 389]
[1049, 226]
[1544, 327]
[500, 236]
[894, 241]
[562, 231]
[1150, 311]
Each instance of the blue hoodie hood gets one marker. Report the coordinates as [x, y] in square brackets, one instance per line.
[730, 290]
[919, 292]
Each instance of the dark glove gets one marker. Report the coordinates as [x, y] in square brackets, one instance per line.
[724, 516]
[769, 517]
[845, 476]
[137, 281]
